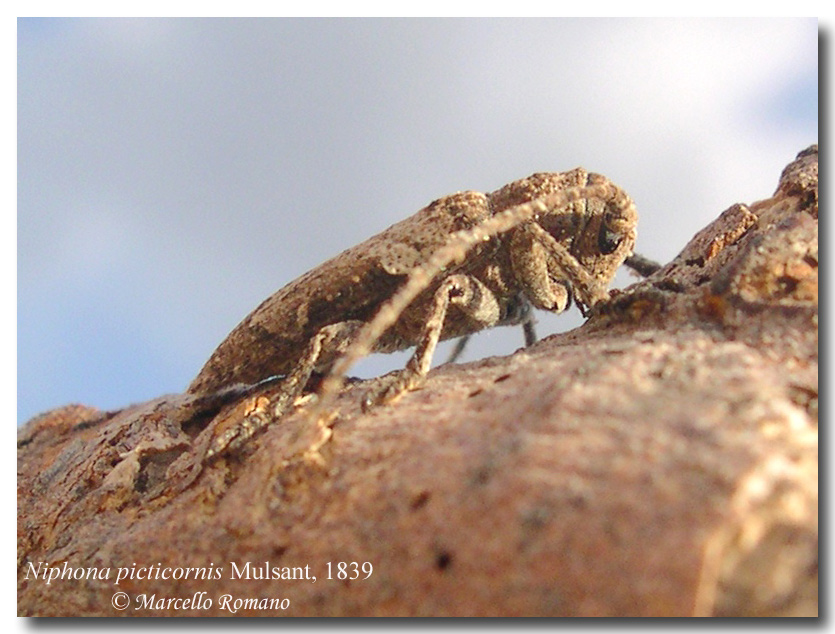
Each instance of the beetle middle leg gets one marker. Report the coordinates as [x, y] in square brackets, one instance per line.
[471, 297]
[521, 315]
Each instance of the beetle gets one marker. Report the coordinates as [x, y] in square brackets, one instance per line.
[465, 262]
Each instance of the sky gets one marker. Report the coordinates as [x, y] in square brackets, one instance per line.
[173, 173]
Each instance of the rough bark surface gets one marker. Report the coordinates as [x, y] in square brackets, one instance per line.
[659, 460]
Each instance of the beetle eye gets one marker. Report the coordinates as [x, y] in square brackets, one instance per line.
[608, 240]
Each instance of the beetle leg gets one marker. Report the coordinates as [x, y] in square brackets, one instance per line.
[469, 295]
[328, 343]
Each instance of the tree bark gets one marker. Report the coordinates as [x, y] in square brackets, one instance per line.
[660, 460]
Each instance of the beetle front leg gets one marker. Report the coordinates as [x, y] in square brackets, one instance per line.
[549, 273]
[469, 295]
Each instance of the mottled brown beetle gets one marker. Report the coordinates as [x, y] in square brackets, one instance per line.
[465, 262]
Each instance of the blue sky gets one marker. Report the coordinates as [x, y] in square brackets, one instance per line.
[174, 173]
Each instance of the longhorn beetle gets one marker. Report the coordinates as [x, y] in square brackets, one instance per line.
[465, 262]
